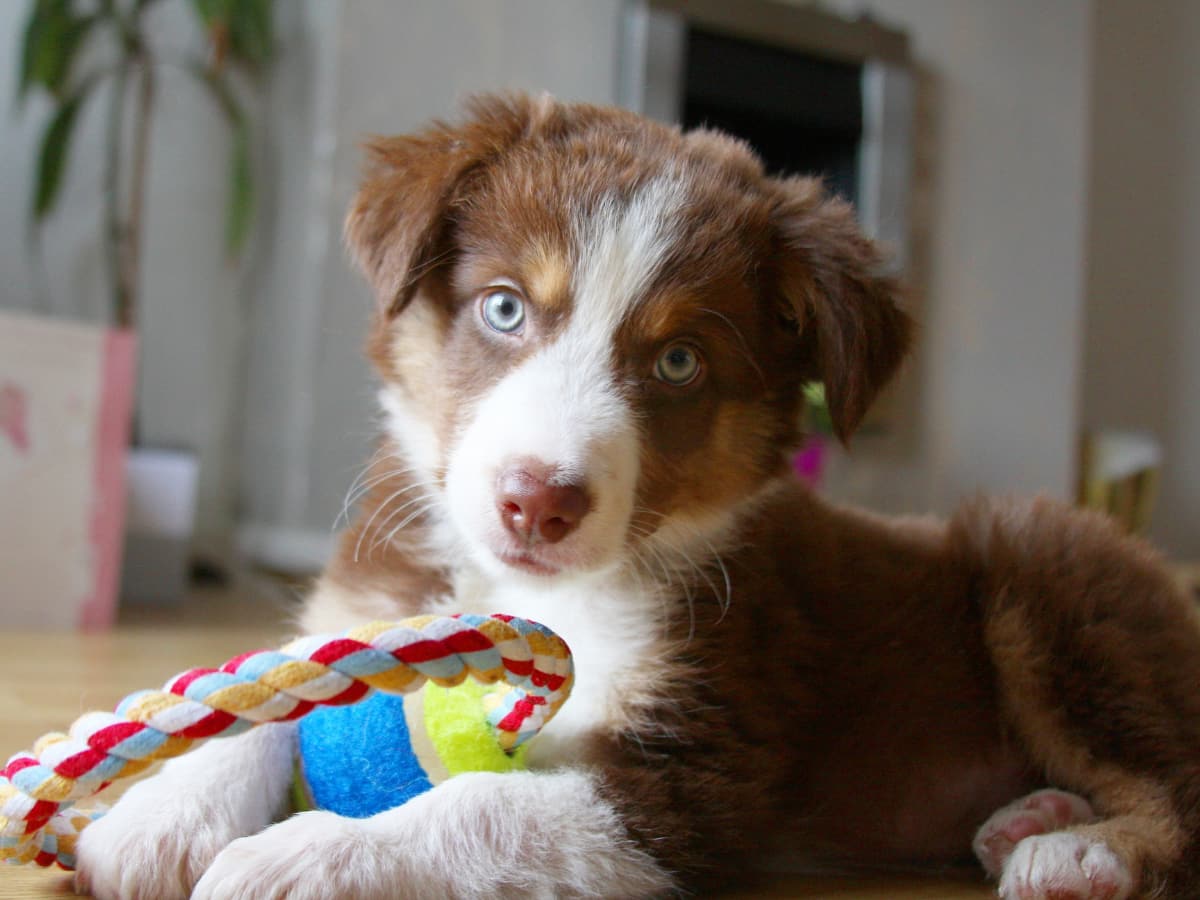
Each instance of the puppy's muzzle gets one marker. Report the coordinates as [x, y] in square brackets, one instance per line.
[536, 507]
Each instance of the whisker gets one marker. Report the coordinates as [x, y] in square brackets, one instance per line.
[382, 506]
[716, 556]
[364, 481]
[744, 346]
[421, 510]
[423, 498]
[425, 268]
[640, 576]
[671, 576]
[724, 599]
[360, 488]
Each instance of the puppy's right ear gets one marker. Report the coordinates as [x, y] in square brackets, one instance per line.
[398, 217]
[399, 223]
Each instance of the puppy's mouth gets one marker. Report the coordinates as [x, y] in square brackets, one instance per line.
[527, 562]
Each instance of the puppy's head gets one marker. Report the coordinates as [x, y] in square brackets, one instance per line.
[593, 330]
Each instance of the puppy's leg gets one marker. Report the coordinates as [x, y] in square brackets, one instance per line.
[1097, 658]
[481, 835]
[160, 837]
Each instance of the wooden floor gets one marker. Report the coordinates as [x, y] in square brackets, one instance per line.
[47, 680]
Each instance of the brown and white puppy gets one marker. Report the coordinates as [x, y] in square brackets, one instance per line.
[591, 332]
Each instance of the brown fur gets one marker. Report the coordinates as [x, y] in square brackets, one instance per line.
[876, 688]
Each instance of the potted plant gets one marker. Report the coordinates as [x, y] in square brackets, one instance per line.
[77, 53]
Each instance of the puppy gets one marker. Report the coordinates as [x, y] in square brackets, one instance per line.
[592, 332]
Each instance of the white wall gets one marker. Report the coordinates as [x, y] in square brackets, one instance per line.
[991, 400]
[1142, 362]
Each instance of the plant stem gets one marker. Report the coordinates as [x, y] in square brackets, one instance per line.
[114, 228]
[131, 270]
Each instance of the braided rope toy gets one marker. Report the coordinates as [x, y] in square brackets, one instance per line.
[38, 824]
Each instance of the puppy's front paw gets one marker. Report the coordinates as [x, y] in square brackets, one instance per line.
[151, 845]
[1038, 813]
[1065, 866]
[161, 836]
[311, 856]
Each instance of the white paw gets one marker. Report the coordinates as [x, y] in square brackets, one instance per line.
[310, 856]
[154, 844]
[1038, 813]
[1065, 866]
[478, 836]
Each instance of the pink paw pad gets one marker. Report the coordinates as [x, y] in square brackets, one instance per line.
[1038, 813]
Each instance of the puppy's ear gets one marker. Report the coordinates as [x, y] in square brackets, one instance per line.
[853, 333]
[399, 223]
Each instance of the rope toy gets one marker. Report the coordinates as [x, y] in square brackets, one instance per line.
[38, 824]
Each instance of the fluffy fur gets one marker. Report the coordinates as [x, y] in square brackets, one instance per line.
[591, 332]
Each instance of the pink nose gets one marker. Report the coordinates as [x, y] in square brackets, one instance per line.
[536, 511]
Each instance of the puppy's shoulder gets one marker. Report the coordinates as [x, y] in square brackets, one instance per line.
[816, 540]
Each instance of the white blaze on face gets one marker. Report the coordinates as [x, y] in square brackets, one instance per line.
[561, 406]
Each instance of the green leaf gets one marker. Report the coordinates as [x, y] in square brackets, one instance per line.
[211, 11]
[52, 40]
[220, 92]
[247, 27]
[240, 212]
[251, 32]
[61, 62]
[40, 37]
[52, 154]
[30, 42]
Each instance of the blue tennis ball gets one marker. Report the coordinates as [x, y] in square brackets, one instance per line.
[375, 755]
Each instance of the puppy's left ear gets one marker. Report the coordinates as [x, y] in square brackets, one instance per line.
[853, 333]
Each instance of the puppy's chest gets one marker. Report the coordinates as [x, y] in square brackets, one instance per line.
[613, 632]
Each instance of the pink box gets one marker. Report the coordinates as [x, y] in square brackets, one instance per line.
[66, 401]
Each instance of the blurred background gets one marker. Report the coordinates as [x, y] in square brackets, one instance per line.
[1034, 165]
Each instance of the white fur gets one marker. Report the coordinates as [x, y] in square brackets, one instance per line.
[1065, 865]
[155, 843]
[419, 454]
[562, 410]
[480, 835]
[561, 406]
[415, 436]
[620, 248]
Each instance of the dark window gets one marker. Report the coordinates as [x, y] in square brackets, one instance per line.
[802, 113]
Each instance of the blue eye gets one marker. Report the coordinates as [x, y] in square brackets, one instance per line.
[503, 311]
[678, 365]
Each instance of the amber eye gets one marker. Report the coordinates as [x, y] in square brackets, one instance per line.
[503, 311]
[678, 365]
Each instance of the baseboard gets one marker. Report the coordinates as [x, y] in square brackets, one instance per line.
[292, 550]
